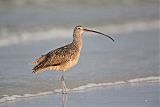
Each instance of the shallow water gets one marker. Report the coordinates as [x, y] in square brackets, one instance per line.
[124, 95]
[133, 55]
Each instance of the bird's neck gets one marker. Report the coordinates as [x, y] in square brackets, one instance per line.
[77, 40]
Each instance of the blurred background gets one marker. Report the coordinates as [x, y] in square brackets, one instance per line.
[19, 16]
[30, 28]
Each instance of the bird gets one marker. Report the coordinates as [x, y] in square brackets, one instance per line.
[63, 58]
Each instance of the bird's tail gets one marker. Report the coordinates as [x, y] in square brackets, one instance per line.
[40, 64]
[40, 59]
[38, 68]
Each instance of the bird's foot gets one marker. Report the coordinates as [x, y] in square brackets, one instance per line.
[66, 91]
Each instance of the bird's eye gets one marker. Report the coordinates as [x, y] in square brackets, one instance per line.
[79, 28]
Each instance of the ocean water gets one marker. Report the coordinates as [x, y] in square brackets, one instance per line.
[28, 31]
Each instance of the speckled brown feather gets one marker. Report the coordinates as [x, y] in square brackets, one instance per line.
[40, 59]
[59, 59]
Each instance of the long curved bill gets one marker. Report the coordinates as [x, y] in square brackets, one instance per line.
[87, 30]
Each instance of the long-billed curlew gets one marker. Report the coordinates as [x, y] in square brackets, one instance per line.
[64, 57]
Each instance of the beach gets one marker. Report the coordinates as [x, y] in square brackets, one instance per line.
[143, 94]
[120, 74]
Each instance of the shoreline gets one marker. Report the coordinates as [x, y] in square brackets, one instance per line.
[134, 55]
[82, 88]
[139, 94]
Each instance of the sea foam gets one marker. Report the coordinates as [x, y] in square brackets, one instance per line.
[14, 97]
[148, 79]
[6, 98]
[92, 85]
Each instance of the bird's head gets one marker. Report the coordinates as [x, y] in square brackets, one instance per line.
[80, 29]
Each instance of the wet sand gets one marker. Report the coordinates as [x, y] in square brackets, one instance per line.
[144, 94]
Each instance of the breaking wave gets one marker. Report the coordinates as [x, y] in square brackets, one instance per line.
[6, 98]
[23, 37]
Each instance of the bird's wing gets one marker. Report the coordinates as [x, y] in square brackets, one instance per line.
[57, 53]
[56, 57]
[40, 59]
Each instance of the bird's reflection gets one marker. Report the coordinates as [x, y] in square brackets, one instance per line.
[64, 100]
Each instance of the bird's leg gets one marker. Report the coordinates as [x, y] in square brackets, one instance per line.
[64, 88]
[64, 99]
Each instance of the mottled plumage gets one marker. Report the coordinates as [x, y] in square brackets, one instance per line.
[59, 59]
